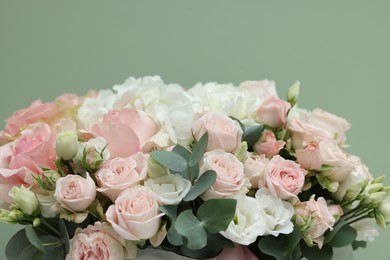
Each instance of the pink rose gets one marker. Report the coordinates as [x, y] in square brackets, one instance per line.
[309, 157]
[126, 131]
[231, 179]
[239, 252]
[331, 154]
[34, 148]
[273, 112]
[75, 193]
[223, 132]
[303, 133]
[284, 178]
[254, 168]
[96, 242]
[135, 214]
[268, 145]
[319, 216]
[260, 89]
[119, 174]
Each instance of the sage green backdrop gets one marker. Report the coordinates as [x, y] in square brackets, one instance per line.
[339, 50]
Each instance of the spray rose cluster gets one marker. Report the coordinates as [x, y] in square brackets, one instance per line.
[148, 170]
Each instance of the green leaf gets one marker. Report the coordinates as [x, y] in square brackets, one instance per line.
[194, 173]
[216, 214]
[191, 228]
[33, 238]
[16, 245]
[215, 243]
[182, 151]
[291, 241]
[313, 253]
[201, 185]
[170, 160]
[344, 237]
[326, 184]
[30, 253]
[252, 134]
[359, 244]
[272, 246]
[173, 237]
[170, 211]
[64, 234]
[199, 150]
[332, 233]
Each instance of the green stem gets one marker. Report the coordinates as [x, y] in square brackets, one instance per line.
[67, 164]
[52, 244]
[47, 224]
[357, 219]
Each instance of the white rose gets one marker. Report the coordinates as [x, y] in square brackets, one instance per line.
[169, 189]
[277, 213]
[248, 222]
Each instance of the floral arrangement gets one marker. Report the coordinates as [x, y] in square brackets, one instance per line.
[153, 171]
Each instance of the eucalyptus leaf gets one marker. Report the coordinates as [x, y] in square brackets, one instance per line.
[314, 253]
[30, 253]
[252, 134]
[64, 234]
[34, 239]
[173, 237]
[216, 214]
[201, 185]
[182, 151]
[291, 241]
[272, 246]
[332, 233]
[239, 122]
[170, 211]
[191, 228]
[199, 149]
[170, 160]
[344, 237]
[16, 245]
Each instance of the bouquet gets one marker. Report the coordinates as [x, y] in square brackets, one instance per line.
[154, 171]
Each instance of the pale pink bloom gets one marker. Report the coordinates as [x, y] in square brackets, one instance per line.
[268, 145]
[99, 241]
[75, 193]
[260, 89]
[254, 168]
[284, 178]
[119, 174]
[223, 132]
[125, 131]
[37, 111]
[309, 157]
[273, 112]
[135, 214]
[231, 179]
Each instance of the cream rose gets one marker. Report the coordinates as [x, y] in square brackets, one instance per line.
[135, 214]
[273, 112]
[223, 132]
[284, 178]
[268, 145]
[169, 189]
[309, 157]
[75, 193]
[119, 174]
[231, 179]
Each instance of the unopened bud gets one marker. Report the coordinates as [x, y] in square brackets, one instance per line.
[380, 220]
[354, 191]
[293, 93]
[374, 187]
[24, 199]
[156, 170]
[379, 179]
[36, 222]
[241, 152]
[67, 144]
[384, 208]
[373, 200]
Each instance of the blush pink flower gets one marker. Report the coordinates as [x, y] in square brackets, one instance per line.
[309, 157]
[135, 214]
[224, 133]
[119, 174]
[273, 112]
[268, 145]
[284, 178]
[260, 89]
[126, 131]
[254, 168]
[239, 252]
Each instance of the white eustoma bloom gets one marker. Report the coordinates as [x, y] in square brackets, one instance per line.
[169, 189]
[277, 213]
[366, 229]
[248, 222]
[46, 203]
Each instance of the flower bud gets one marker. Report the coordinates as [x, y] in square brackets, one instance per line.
[24, 199]
[379, 179]
[92, 159]
[374, 187]
[373, 200]
[384, 208]
[241, 152]
[36, 222]
[354, 191]
[156, 170]
[380, 220]
[67, 145]
[293, 93]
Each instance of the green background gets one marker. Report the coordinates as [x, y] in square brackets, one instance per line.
[339, 50]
